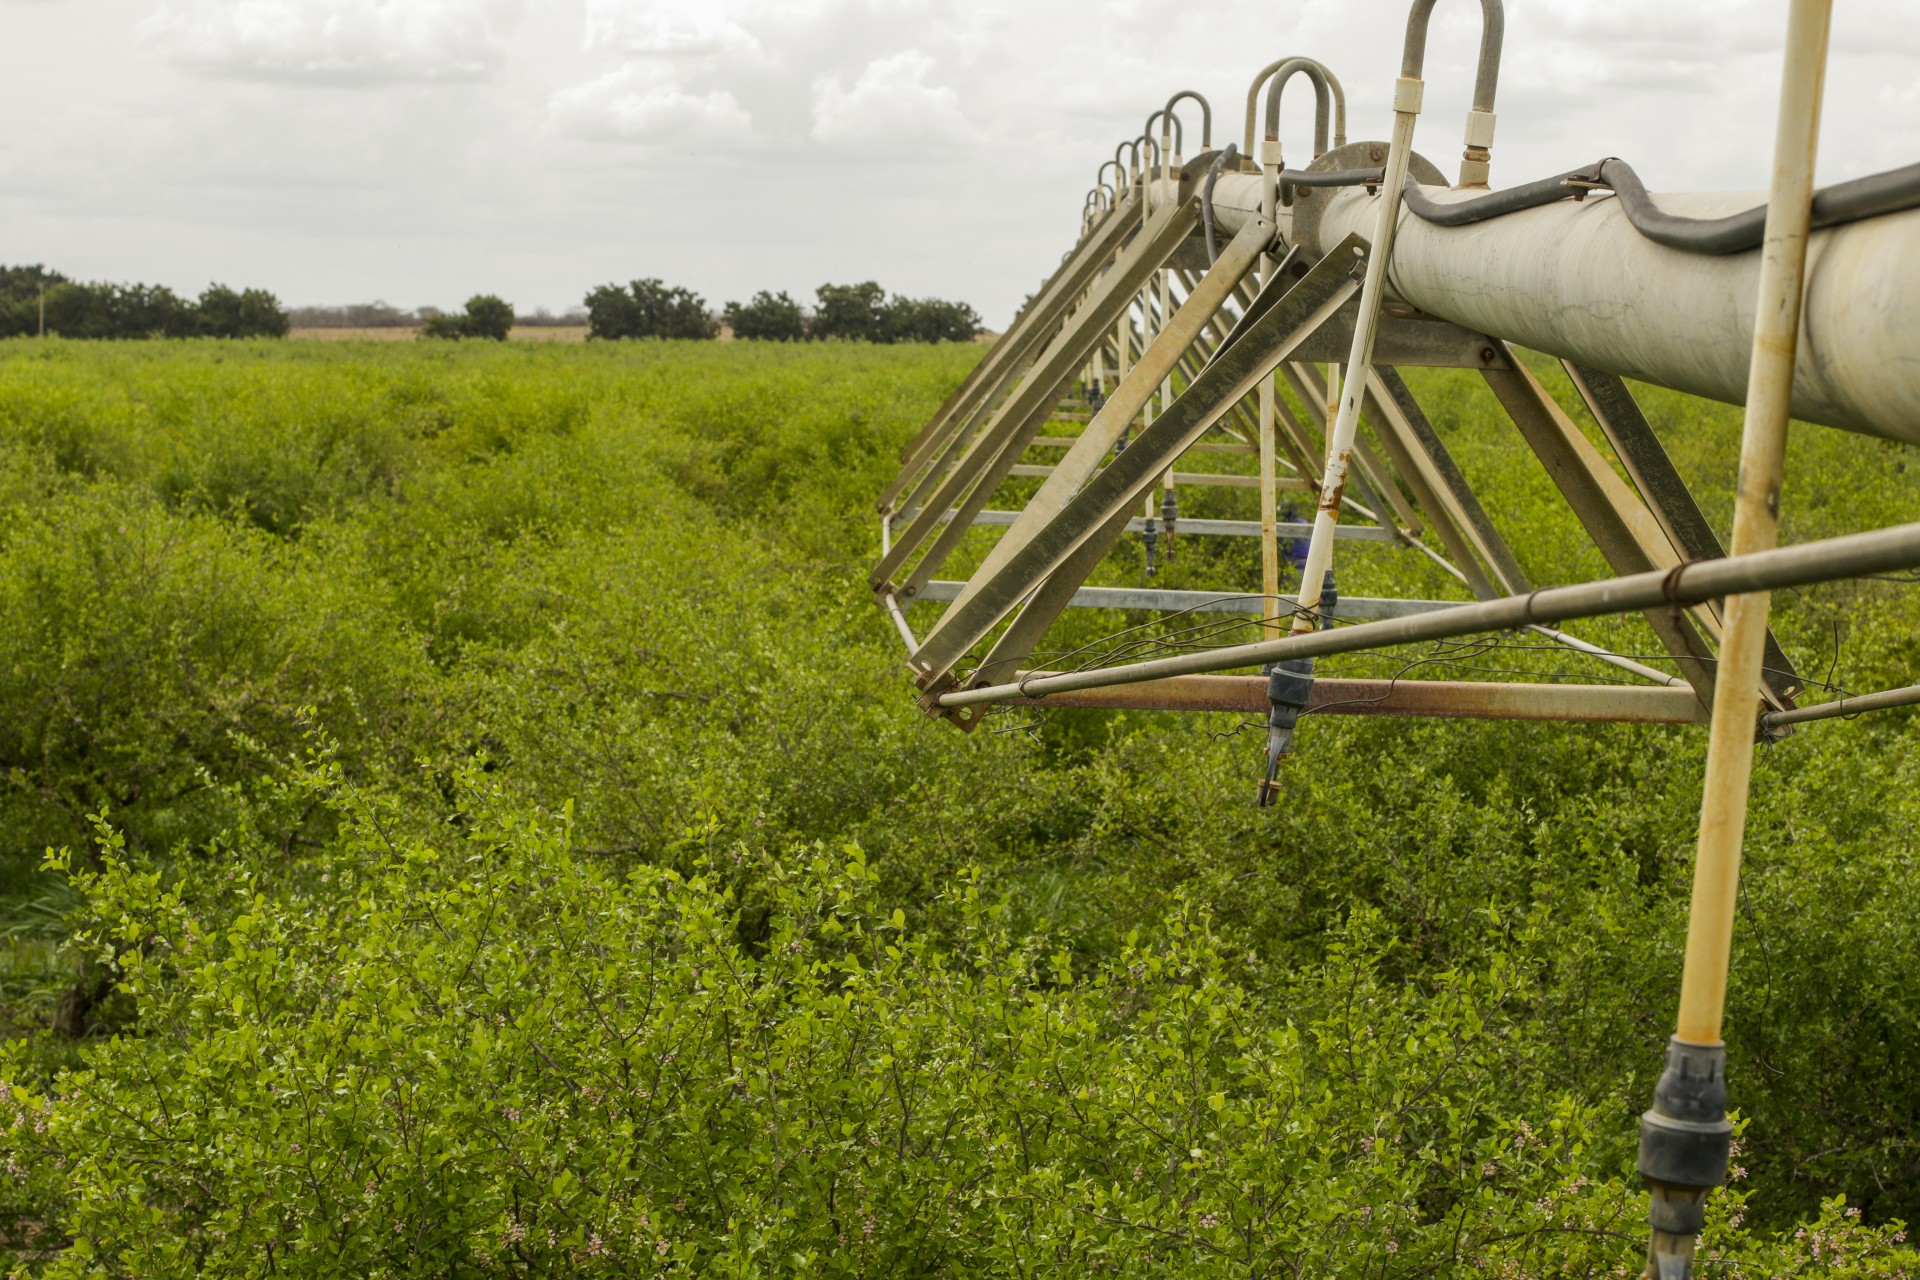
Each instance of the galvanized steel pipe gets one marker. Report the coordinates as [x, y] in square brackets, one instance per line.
[1576, 280]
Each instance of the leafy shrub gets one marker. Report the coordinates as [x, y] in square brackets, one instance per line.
[250, 313]
[21, 290]
[486, 316]
[928, 320]
[863, 313]
[504, 575]
[851, 312]
[483, 1052]
[444, 326]
[489, 316]
[769, 317]
[648, 309]
[76, 310]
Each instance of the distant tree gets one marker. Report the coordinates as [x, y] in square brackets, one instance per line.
[611, 313]
[20, 290]
[488, 316]
[770, 317]
[648, 309]
[77, 310]
[851, 312]
[928, 320]
[249, 313]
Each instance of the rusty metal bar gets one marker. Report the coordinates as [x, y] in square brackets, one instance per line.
[1447, 699]
[1881, 551]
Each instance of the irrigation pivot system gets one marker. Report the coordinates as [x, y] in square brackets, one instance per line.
[1188, 329]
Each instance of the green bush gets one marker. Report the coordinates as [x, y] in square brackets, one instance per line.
[21, 291]
[487, 1053]
[486, 316]
[250, 313]
[648, 309]
[769, 317]
[77, 310]
[864, 313]
[80, 310]
[852, 312]
[506, 577]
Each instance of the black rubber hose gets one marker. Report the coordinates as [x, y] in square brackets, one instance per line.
[1333, 177]
[1844, 202]
[1528, 195]
[1220, 162]
[1861, 198]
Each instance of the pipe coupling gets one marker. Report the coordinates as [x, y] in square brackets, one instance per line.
[1685, 1138]
[1289, 689]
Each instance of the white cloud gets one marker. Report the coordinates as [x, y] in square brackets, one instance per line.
[670, 27]
[336, 41]
[640, 102]
[891, 101]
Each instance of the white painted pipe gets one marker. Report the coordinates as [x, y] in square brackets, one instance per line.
[1574, 279]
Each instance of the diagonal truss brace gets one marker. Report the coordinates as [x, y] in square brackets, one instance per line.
[1014, 424]
[1253, 351]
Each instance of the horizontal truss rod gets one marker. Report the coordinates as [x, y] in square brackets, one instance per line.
[1368, 607]
[1067, 442]
[1448, 699]
[1229, 528]
[1200, 479]
[1846, 706]
[1882, 551]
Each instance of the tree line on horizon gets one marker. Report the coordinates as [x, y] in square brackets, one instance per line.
[38, 300]
[862, 312]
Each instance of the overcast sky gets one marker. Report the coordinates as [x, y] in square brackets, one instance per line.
[419, 151]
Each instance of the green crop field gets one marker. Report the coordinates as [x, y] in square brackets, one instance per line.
[462, 814]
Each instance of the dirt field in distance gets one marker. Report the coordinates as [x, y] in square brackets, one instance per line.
[397, 333]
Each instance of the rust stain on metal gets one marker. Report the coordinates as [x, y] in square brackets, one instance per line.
[1444, 699]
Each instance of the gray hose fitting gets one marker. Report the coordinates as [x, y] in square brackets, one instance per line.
[1685, 1140]
[1289, 689]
